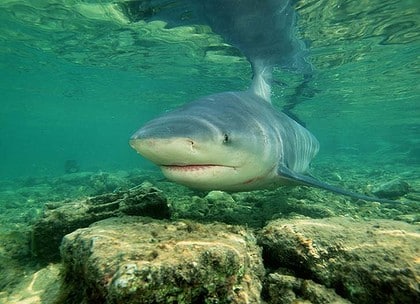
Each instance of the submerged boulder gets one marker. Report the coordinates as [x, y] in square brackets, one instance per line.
[287, 289]
[392, 189]
[140, 260]
[373, 261]
[65, 217]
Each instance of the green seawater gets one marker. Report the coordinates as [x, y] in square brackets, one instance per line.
[79, 77]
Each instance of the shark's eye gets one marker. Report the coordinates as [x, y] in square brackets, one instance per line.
[225, 138]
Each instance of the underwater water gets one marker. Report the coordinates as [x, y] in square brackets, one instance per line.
[78, 78]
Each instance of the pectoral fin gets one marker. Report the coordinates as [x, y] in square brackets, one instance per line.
[285, 172]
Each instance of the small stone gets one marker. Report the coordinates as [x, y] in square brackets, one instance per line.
[218, 197]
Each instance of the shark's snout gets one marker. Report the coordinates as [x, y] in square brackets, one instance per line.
[211, 143]
[165, 151]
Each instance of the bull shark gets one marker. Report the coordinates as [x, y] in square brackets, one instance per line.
[238, 141]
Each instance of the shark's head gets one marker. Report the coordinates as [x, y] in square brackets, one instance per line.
[216, 142]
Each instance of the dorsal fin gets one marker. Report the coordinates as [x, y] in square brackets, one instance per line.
[261, 81]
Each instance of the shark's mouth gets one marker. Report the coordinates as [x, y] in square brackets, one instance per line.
[201, 176]
[192, 167]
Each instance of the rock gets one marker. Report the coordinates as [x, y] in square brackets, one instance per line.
[287, 289]
[38, 287]
[220, 197]
[392, 189]
[63, 218]
[140, 260]
[372, 261]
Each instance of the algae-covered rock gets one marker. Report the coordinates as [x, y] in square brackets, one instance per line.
[36, 287]
[372, 261]
[61, 219]
[287, 289]
[392, 189]
[220, 197]
[140, 260]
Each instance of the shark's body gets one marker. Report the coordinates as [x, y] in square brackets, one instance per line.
[237, 141]
[232, 141]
